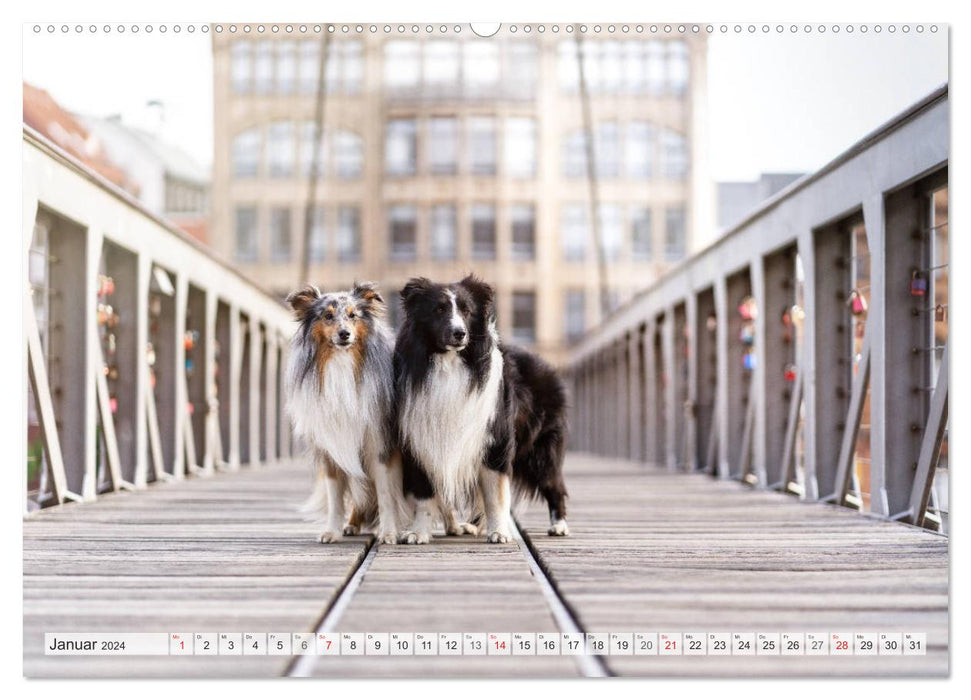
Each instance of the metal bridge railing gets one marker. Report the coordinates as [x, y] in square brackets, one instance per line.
[806, 350]
[147, 358]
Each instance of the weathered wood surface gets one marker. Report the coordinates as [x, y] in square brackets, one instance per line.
[223, 554]
[451, 585]
[652, 550]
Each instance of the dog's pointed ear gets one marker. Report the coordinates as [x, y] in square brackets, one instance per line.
[301, 301]
[414, 287]
[481, 291]
[369, 296]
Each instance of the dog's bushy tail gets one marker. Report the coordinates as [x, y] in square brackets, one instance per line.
[316, 504]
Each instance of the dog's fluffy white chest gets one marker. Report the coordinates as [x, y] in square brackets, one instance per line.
[336, 416]
[447, 422]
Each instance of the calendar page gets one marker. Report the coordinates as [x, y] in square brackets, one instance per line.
[437, 349]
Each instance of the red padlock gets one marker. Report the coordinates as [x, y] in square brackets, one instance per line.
[789, 372]
[918, 284]
[857, 303]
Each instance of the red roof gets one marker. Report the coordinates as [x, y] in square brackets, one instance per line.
[42, 113]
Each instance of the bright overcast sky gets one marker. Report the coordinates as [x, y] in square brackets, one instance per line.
[776, 102]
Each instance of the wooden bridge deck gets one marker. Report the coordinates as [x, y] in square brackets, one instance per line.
[650, 550]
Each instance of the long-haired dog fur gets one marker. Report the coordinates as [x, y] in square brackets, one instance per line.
[339, 393]
[476, 419]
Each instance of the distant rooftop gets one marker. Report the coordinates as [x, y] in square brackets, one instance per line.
[175, 161]
[45, 115]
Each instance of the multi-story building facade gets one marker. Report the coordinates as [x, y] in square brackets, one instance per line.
[444, 153]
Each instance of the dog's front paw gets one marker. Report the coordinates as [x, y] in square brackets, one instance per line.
[329, 537]
[414, 538]
[460, 529]
[497, 537]
[389, 537]
[351, 530]
[558, 529]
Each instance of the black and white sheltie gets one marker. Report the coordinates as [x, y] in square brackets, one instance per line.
[476, 419]
[339, 393]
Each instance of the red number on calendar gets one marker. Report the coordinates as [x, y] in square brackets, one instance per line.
[670, 645]
[842, 646]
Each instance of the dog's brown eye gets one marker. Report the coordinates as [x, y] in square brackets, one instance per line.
[350, 314]
[329, 316]
[441, 309]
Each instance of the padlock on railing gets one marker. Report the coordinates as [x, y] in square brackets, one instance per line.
[857, 303]
[747, 334]
[789, 372]
[918, 283]
[748, 361]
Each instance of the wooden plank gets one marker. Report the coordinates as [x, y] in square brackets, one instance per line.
[454, 584]
[224, 554]
[657, 551]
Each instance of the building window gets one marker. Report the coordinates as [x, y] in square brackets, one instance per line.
[607, 154]
[678, 67]
[575, 314]
[674, 155]
[345, 69]
[640, 150]
[263, 72]
[567, 66]
[246, 234]
[523, 218]
[575, 154]
[402, 65]
[286, 67]
[590, 59]
[481, 67]
[246, 153]
[611, 230]
[521, 69]
[317, 245]
[655, 67]
[348, 155]
[483, 232]
[348, 234]
[352, 66]
[308, 135]
[640, 230]
[635, 61]
[441, 148]
[403, 228]
[611, 67]
[574, 231]
[241, 65]
[441, 64]
[280, 234]
[674, 234]
[524, 317]
[519, 152]
[482, 145]
[280, 149]
[309, 66]
[443, 232]
[400, 147]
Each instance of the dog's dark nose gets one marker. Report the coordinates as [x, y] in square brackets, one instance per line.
[343, 335]
[458, 335]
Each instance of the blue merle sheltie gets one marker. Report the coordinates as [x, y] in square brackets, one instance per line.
[478, 421]
[339, 393]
